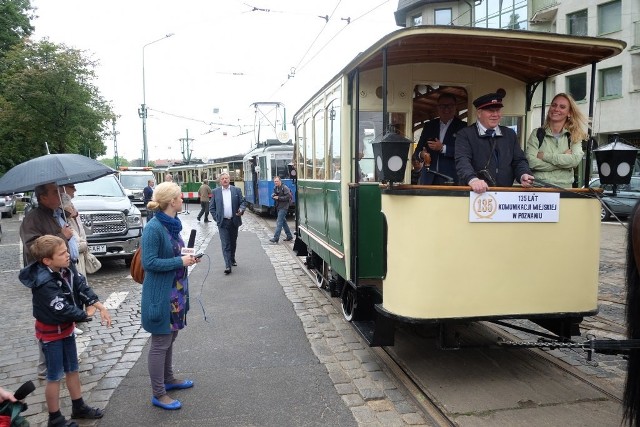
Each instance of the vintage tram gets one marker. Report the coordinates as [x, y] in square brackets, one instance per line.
[269, 159]
[191, 176]
[395, 252]
[271, 156]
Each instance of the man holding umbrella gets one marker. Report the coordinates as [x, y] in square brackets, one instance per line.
[45, 219]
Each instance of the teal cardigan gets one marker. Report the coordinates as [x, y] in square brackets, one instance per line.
[159, 265]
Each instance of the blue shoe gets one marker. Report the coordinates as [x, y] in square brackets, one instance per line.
[168, 406]
[179, 386]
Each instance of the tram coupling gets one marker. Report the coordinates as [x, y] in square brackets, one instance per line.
[591, 345]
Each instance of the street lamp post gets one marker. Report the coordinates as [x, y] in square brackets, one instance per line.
[142, 111]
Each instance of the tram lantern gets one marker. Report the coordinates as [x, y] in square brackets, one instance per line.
[391, 153]
[615, 162]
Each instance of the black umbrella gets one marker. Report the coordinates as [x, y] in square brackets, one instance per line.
[60, 169]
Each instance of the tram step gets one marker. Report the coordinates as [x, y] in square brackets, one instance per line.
[376, 334]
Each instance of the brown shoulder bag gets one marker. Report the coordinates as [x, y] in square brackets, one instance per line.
[137, 272]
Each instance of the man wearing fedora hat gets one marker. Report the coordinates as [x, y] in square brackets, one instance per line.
[487, 154]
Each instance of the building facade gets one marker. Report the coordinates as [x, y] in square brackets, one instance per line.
[617, 80]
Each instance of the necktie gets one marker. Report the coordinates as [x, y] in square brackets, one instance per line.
[490, 132]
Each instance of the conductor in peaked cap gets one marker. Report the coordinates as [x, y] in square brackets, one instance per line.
[487, 154]
[490, 100]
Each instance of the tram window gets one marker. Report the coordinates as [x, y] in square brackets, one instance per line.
[308, 150]
[279, 168]
[334, 140]
[514, 122]
[299, 150]
[263, 168]
[319, 143]
[370, 127]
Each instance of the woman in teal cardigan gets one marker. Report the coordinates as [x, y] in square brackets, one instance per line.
[165, 291]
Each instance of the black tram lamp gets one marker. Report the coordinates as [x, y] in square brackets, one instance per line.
[615, 162]
[391, 152]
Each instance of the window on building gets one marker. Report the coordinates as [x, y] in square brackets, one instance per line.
[611, 82]
[442, 16]
[417, 20]
[577, 86]
[610, 17]
[511, 14]
[635, 72]
[577, 23]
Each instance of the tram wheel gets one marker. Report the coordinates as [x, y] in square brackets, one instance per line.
[349, 303]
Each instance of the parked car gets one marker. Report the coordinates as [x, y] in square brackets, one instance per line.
[8, 205]
[622, 203]
[112, 222]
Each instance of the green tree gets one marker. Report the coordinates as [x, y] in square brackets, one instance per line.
[15, 23]
[47, 95]
[109, 161]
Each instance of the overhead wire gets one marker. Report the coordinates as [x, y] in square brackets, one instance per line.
[323, 47]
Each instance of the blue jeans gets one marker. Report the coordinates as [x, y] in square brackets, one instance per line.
[61, 357]
[282, 223]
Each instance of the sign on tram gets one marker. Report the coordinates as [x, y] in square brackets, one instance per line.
[514, 207]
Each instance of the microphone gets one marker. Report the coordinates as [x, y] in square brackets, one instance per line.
[24, 390]
[192, 239]
[190, 244]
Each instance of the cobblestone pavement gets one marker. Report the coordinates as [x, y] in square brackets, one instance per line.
[108, 354]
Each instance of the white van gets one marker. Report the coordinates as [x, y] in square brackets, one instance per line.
[134, 180]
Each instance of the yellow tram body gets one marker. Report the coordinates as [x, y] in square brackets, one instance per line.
[481, 270]
[408, 252]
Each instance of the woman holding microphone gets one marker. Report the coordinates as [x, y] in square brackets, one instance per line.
[165, 291]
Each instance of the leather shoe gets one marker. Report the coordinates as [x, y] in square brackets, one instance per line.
[227, 270]
[273, 240]
[179, 386]
[288, 239]
[168, 406]
[235, 264]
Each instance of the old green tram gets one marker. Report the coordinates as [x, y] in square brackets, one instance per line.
[399, 252]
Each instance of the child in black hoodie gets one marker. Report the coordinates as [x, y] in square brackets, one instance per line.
[59, 292]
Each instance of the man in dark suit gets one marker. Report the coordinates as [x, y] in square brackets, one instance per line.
[438, 138]
[227, 206]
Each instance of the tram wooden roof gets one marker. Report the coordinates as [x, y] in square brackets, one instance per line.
[527, 56]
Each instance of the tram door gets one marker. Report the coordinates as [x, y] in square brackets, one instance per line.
[254, 178]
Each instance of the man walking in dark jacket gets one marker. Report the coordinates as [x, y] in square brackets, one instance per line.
[204, 193]
[282, 196]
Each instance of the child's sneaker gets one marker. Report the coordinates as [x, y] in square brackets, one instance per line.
[87, 412]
